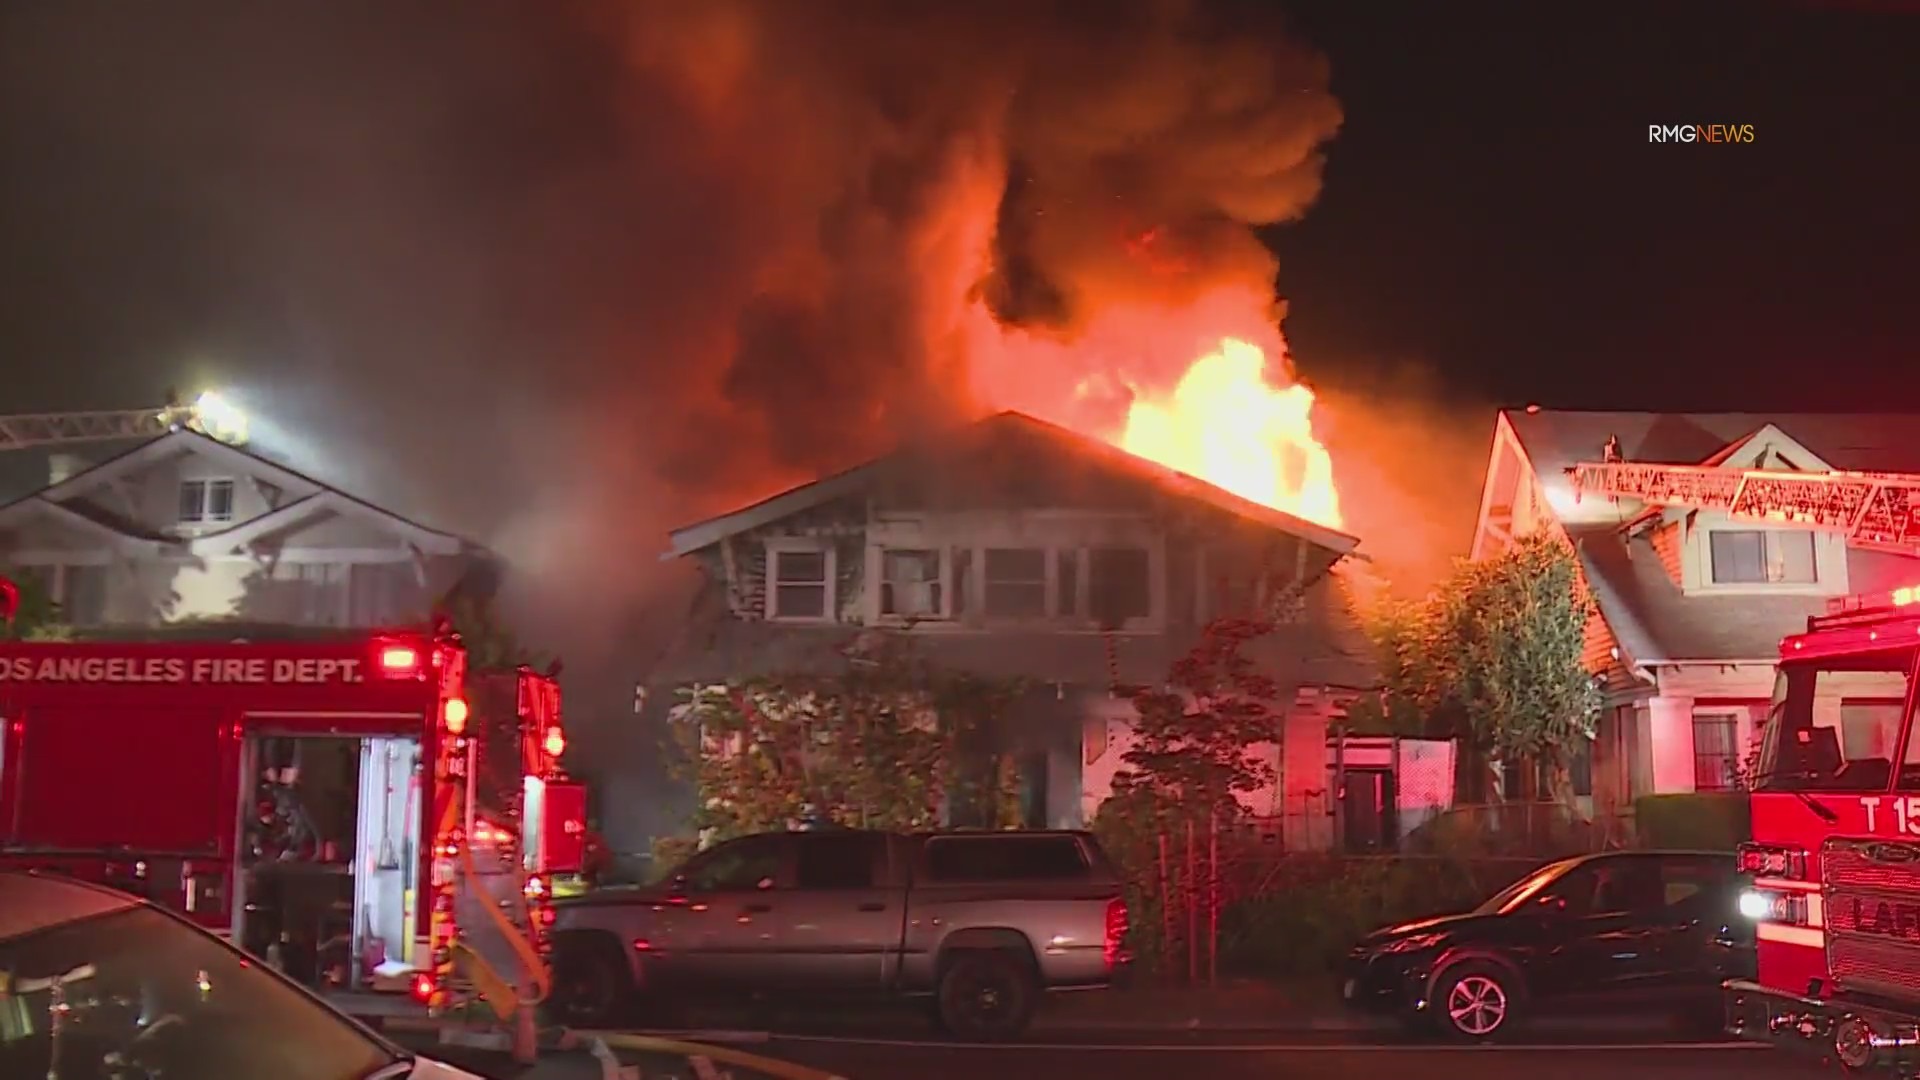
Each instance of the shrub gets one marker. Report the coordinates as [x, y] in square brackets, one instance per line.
[1703, 821]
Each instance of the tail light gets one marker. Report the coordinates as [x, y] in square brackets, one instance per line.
[422, 988]
[1762, 861]
[1113, 947]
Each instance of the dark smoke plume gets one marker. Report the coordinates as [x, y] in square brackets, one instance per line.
[563, 275]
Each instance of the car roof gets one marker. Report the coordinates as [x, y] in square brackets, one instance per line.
[32, 902]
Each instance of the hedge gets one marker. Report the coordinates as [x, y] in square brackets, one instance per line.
[1703, 821]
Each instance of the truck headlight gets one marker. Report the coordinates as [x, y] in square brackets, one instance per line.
[1755, 904]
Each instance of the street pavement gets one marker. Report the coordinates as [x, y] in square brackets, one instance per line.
[1332, 1061]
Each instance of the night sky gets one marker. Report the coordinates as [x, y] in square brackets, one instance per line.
[1493, 206]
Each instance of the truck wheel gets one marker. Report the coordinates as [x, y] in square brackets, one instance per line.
[592, 986]
[986, 995]
[1477, 1001]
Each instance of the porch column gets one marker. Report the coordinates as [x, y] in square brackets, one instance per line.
[1670, 743]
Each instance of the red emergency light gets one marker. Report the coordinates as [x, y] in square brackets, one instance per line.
[454, 715]
[556, 743]
[399, 660]
[422, 988]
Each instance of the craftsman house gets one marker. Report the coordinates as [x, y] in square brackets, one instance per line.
[1017, 548]
[1692, 605]
[185, 528]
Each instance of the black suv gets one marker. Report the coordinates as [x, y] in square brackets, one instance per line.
[1652, 930]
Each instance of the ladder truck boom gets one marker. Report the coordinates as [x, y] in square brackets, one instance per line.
[1875, 510]
[207, 414]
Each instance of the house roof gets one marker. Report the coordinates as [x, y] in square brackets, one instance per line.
[1002, 428]
[1655, 622]
[314, 497]
[1555, 439]
[1650, 615]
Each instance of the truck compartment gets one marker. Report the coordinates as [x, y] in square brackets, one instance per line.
[329, 857]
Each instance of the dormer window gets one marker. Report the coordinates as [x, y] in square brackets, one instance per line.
[206, 502]
[1763, 557]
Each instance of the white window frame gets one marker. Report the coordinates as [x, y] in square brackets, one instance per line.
[1050, 531]
[876, 574]
[801, 544]
[206, 485]
[1830, 569]
[1049, 580]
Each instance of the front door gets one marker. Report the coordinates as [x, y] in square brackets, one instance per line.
[839, 927]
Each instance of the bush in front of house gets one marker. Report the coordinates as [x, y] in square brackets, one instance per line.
[1697, 821]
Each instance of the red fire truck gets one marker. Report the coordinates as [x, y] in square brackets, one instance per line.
[332, 802]
[1835, 852]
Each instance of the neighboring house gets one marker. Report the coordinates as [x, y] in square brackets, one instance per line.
[1005, 549]
[185, 528]
[1692, 605]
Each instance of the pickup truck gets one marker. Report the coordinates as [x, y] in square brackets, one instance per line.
[978, 923]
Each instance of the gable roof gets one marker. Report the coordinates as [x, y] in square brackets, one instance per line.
[310, 497]
[1001, 427]
[1555, 439]
[1650, 615]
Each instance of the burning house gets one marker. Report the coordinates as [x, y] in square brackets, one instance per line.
[1015, 548]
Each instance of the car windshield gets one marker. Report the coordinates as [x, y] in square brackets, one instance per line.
[139, 993]
[1835, 726]
[1518, 893]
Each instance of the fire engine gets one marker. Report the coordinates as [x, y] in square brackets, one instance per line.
[1834, 856]
[361, 809]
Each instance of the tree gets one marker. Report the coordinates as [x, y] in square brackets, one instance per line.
[1194, 736]
[36, 616]
[1494, 657]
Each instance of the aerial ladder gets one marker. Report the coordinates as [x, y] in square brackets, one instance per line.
[208, 414]
[1876, 511]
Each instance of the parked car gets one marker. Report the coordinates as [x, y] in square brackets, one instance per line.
[99, 985]
[1657, 931]
[979, 923]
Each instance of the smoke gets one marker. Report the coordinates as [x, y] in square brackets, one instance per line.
[562, 276]
[1410, 458]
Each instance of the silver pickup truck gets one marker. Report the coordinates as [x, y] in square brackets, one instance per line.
[980, 923]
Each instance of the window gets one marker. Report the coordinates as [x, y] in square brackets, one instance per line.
[910, 584]
[1762, 557]
[1016, 582]
[1716, 753]
[206, 502]
[1118, 584]
[743, 865]
[1696, 885]
[1067, 577]
[837, 860]
[1005, 858]
[1580, 767]
[801, 583]
[1606, 887]
[231, 1017]
[1834, 724]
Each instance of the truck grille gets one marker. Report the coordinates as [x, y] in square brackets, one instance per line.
[1872, 905]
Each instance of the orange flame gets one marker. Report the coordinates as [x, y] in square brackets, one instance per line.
[1203, 387]
[1227, 425]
